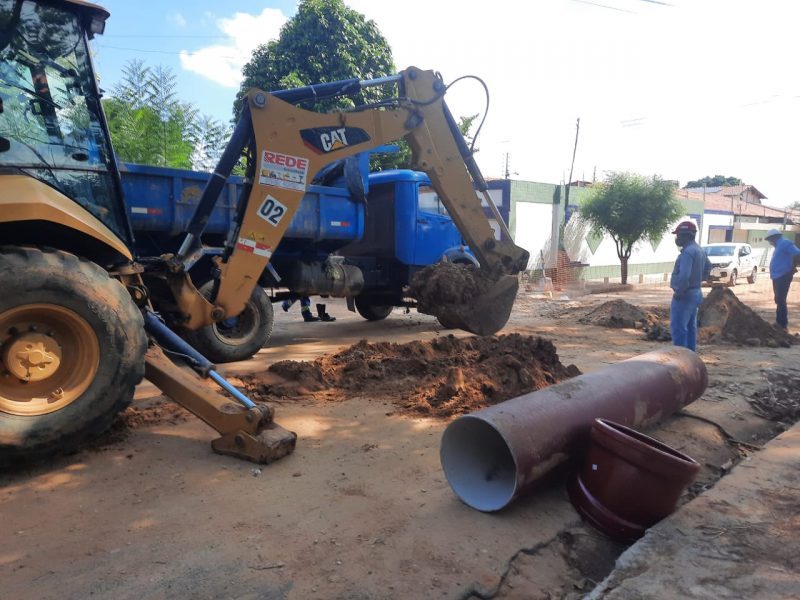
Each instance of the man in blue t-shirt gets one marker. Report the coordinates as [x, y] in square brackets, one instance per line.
[782, 268]
[691, 269]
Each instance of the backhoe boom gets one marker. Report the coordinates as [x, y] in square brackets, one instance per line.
[292, 144]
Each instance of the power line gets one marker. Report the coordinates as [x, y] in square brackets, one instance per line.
[605, 6]
[147, 35]
[155, 51]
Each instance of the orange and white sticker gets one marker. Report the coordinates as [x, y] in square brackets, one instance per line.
[283, 170]
[340, 223]
[253, 247]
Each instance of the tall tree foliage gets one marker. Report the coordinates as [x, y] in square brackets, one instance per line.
[715, 181]
[151, 125]
[325, 41]
[631, 208]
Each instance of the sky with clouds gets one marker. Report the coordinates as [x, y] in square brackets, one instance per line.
[678, 88]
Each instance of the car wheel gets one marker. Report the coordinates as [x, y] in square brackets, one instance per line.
[752, 277]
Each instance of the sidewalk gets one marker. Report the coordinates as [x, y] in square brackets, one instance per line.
[741, 539]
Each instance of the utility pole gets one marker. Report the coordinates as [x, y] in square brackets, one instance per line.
[507, 165]
[571, 167]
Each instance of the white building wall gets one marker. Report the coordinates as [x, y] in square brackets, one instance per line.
[532, 229]
[711, 219]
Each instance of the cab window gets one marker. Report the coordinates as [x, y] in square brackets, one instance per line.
[50, 121]
[429, 201]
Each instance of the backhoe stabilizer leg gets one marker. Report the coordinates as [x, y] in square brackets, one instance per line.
[245, 433]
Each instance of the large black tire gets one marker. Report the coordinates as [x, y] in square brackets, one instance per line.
[371, 309]
[239, 338]
[67, 307]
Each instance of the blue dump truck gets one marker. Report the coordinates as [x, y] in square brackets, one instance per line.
[357, 235]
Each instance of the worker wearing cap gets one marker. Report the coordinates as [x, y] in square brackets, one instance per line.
[782, 268]
[691, 268]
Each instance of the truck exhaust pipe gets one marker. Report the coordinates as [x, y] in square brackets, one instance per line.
[492, 456]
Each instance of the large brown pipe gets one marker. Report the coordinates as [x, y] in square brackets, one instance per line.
[494, 455]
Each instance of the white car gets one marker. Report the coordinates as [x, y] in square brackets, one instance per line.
[731, 261]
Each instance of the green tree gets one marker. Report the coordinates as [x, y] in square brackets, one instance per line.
[151, 125]
[325, 41]
[631, 208]
[715, 181]
[211, 138]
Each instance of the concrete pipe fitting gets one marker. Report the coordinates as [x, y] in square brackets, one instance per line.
[492, 456]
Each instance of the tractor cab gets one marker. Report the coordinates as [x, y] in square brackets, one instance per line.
[52, 127]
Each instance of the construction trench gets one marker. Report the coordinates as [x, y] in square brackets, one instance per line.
[363, 508]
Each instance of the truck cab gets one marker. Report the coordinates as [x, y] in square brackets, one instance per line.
[407, 228]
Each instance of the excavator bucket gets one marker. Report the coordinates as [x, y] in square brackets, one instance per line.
[465, 297]
[485, 314]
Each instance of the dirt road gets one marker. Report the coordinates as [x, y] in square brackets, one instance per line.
[361, 509]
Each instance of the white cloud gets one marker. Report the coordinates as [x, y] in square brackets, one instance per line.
[177, 19]
[222, 63]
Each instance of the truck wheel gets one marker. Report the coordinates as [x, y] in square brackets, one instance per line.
[237, 338]
[372, 310]
[72, 346]
[752, 277]
[732, 280]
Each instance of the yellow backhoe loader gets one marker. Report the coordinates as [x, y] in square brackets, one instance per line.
[77, 326]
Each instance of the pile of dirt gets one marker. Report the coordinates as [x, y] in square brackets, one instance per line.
[780, 401]
[620, 314]
[151, 413]
[443, 377]
[140, 414]
[723, 317]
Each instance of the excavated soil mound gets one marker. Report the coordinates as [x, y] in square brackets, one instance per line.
[723, 317]
[443, 377]
[620, 314]
[159, 411]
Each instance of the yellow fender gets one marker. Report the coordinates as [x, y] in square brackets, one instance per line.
[23, 198]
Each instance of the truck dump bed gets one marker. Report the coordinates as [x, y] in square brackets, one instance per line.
[162, 200]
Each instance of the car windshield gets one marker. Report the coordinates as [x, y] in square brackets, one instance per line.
[719, 250]
[50, 121]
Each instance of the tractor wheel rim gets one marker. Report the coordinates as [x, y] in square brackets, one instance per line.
[49, 356]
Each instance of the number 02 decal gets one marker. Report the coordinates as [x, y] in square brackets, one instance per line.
[272, 211]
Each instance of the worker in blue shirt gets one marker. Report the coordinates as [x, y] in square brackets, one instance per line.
[691, 269]
[782, 268]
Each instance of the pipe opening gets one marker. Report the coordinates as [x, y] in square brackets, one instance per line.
[478, 464]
